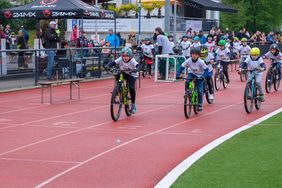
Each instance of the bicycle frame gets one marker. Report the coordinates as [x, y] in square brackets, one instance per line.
[193, 92]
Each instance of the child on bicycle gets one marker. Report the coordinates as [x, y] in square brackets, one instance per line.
[196, 42]
[222, 55]
[276, 56]
[209, 60]
[128, 64]
[148, 54]
[210, 45]
[197, 69]
[244, 50]
[254, 62]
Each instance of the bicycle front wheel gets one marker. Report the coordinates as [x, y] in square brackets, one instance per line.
[116, 104]
[217, 81]
[248, 99]
[187, 105]
[208, 93]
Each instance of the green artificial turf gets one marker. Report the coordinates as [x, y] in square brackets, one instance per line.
[252, 159]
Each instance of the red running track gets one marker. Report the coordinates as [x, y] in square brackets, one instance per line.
[76, 144]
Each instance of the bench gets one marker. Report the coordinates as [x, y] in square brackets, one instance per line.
[49, 86]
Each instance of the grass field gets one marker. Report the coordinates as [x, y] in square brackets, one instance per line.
[252, 159]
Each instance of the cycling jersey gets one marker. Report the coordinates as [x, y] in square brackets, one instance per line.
[197, 68]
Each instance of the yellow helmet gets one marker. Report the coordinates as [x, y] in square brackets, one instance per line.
[244, 40]
[255, 51]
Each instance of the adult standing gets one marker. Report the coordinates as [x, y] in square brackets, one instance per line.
[112, 39]
[21, 45]
[25, 34]
[164, 48]
[51, 39]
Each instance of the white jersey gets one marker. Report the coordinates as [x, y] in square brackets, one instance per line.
[236, 45]
[223, 55]
[254, 64]
[185, 46]
[195, 45]
[244, 50]
[197, 68]
[276, 59]
[172, 44]
[147, 49]
[210, 46]
[126, 67]
[208, 59]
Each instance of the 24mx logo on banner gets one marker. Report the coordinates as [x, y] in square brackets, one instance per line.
[62, 14]
[24, 15]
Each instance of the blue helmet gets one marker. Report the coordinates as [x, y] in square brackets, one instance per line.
[196, 38]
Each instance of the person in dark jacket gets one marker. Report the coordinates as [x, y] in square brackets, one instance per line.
[21, 45]
[51, 41]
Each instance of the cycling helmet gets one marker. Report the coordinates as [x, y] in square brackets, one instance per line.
[244, 40]
[223, 37]
[147, 38]
[255, 51]
[126, 51]
[221, 43]
[185, 36]
[204, 52]
[196, 38]
[195, 50]
[276, 47]
[236, 39]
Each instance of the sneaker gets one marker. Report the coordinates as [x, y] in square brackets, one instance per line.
[200, 108]
[261, 97]
[133, 108]
[210, 96]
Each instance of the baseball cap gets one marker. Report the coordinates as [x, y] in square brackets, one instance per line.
[53, 23]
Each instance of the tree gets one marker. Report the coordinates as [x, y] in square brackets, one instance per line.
[127, 8]
[159, 5]
[149, 7]
[255, 15]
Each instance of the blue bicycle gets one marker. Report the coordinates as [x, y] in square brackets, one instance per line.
[251, 94]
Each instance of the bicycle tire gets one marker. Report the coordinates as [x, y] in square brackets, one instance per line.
[217, 81]
[224, 81]
[241, 76]
[257, 101]
[268, 81]
[187, 105]
[207, 93]
[116, 99]
[248, 96]
[127, 106]
[276, 83]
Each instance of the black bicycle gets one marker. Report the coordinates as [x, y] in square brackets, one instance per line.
[272, 78]
[208, 91]
[219, 77]
[120, 95]
[251, 95]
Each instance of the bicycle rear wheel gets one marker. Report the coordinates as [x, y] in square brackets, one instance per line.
[187, 105]
[208, 94]
[224, 81]
[248, 99]
[276, 80]
[217, 81]
[127, 106]
[257, 100]
[116, 104]
[268, 81]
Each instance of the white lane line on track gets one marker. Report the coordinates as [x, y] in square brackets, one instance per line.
[38, 106]
[77, 112]
[40, 161]
[124, 144]
[172, 176]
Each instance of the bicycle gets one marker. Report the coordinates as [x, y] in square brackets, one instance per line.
[191, 98]
[251, 93]
[244, 73]
[219, 77]
[120, 95]
[207, 91]
[272, 78]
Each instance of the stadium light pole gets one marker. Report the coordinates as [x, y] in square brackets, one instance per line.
[174, 21]
[139, 21]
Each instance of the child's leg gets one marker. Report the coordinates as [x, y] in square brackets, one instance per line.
[225, 70]
[258, 83]
[200, 88]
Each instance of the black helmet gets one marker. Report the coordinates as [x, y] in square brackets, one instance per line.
[275, 47]
[195, 50]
